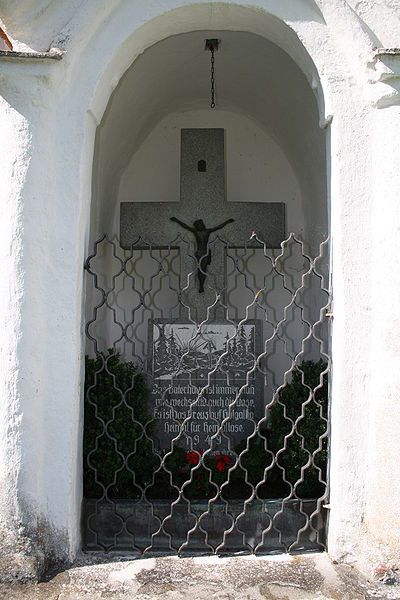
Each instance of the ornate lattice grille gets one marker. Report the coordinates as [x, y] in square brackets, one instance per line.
[206, 416]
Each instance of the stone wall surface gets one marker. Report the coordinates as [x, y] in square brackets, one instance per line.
[49, 114]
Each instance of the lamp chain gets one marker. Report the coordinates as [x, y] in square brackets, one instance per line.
[212, 79]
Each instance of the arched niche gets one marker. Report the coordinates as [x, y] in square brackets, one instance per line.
[271, 34]
[271, 117]
[167, 88]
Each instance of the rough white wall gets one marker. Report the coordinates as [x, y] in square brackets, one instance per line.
[14, 133]
[381, 522]
[381, 19]
[41, 303]
[38, 396]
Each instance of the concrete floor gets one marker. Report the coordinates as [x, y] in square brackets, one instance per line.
[307, 577]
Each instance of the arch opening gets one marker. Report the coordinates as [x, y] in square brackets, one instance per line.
[219, 372]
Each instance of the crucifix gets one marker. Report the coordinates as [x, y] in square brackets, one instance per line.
[203, 211]
[203, 252]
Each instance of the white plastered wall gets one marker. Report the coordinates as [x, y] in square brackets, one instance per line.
[49, 116]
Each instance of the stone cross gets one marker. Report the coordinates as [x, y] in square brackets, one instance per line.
[202, 196]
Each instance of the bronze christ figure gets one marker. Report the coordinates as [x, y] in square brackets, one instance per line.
[203, 252]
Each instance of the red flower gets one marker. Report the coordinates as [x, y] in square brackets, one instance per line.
[192, 457]
[222, 462]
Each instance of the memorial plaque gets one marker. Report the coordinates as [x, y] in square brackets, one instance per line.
[202, 383]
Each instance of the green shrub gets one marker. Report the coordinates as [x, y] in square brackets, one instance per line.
[117, 455]
[300, 443]
[311, 425]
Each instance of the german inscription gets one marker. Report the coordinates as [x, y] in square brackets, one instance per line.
[202, 383]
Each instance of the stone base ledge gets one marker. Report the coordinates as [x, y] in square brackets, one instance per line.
[279, 577]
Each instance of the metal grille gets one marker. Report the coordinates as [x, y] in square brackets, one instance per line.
[206, 416]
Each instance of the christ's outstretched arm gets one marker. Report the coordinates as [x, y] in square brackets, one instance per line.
[221, 226]
[182, 224]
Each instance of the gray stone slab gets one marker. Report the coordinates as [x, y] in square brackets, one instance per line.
[202, 197]
[150, 221]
